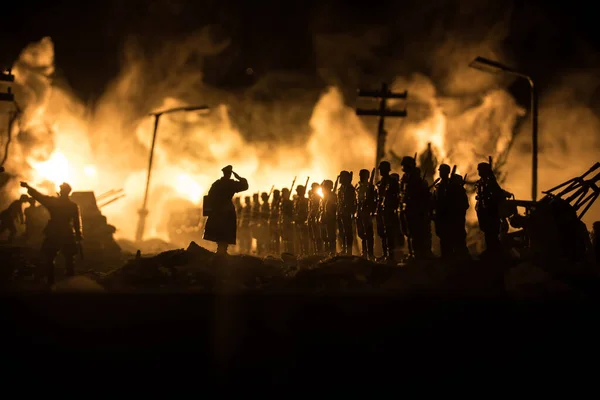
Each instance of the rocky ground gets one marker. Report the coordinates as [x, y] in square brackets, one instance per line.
[197, 270]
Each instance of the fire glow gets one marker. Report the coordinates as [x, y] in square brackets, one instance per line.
[108, 147]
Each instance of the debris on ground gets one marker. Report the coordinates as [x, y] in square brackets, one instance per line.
[198, 270]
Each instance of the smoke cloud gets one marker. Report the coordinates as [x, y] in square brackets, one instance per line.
[289, 125]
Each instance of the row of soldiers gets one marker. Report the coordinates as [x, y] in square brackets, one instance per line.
[400, 208]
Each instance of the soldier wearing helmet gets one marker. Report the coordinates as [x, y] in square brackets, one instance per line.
[346, 201]
[450, 204]
[286, 219]
[301, 221]
[274, 228]
[489, 197]
[366, 205]
[264, 238]
[328, 218]
[388, 192]
[416, 200]
[245, 232]
[11, 216]
[63, 233]
[314, 229]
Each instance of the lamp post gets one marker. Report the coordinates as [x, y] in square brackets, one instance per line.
[483, 64]
[143, 212]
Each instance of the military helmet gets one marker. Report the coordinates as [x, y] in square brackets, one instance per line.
[327, 184]
[24, 198]
[314, 185]
[445, 168]
[484, 166]
[408, 161]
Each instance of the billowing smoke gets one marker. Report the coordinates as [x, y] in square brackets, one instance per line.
[108, 147]
[285, 125]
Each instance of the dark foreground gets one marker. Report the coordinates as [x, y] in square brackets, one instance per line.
[253, 341]
[202, 319]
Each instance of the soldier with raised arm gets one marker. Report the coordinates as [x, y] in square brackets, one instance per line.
[221, 225]
[63, 233]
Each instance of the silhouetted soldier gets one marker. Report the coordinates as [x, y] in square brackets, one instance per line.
[314, 227]
[237, 201]
[221, 224]
[11, 216]
[63, 232]
[366, 205]
[399, 236]
[428, 163]
[443, 210]
[416, 207]
[245, 234]
[286, 219]
[263, 244]
[36, 218]
[301, 220]
[255, 220]
[489, 196]
[460, 198]
[346, 208]
[387, 204]
[328, 218]
[274, 228]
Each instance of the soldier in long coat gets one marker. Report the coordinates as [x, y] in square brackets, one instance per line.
[221, 225]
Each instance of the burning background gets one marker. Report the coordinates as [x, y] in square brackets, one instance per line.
[281, 87]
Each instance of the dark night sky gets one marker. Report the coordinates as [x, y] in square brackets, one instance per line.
[269, 35]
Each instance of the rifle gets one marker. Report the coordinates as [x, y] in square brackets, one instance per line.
[490, 162]
[271, 192]
[372, 177]
[306, 186]
[434, 183]
[293, 183]
[453, 171]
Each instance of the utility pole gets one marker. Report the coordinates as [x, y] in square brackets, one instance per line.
[383, 94]
[143, 212]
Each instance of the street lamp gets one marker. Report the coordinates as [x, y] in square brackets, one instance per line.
[143, 212]
[483, 64]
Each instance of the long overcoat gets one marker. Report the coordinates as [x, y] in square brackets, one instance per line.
[221, 225]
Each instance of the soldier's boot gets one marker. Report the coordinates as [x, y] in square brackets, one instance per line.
[365, 251]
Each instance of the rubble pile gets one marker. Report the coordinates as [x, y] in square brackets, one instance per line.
[198, 270]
